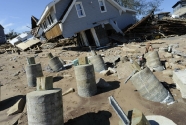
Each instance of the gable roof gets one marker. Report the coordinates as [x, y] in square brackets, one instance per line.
[180, 1]
[47, 8]
[114, 3]
[34, 21]
[72, 3]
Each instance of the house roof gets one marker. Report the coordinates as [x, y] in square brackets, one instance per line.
[1, 26]
[47, 8]
[178, 3]
[34, 21]
[70, 6]
[115, 4]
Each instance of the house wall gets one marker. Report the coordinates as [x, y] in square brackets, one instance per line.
[61, 7]
[53, 32]
[2, 35]
[73, 24]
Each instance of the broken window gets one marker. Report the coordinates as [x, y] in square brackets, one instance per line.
[50, 20]
[80, 10]
[102, 6]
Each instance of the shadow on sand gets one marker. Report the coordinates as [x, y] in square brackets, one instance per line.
[100, 118]
[7, 103]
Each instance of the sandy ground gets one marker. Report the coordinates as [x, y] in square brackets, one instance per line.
[87, 111]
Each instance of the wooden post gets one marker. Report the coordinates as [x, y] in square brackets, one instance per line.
[44, 83]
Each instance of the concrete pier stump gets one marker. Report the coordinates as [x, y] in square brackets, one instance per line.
[32, 72]
[45, 107]
[150, 88]
[98, 63]
[153, 61]
[55, 63]
[85, 78]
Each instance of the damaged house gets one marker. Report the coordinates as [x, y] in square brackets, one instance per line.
[2, 35]
[90, 20]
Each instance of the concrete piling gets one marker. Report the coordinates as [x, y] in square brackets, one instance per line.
[150, 88]
[45, 107]
[55, 63]
[85, 78]
[98, 63]
[32, 72]
[153, 61]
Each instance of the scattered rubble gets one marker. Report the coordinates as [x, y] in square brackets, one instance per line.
[17, 108]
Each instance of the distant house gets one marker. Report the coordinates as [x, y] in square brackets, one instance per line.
[179, 8]
[2, 35]
[91, 20]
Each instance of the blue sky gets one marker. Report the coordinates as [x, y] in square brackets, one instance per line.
[16, 14]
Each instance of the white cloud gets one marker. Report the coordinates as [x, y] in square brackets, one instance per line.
[23, 28]
[6, 25]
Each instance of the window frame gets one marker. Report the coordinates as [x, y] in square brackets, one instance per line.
[103, 1]
[82, 9]
[50, 19]
[44, 24]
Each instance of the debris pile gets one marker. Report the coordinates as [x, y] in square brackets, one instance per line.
[150, 28]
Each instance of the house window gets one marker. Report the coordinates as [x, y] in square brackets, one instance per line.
[80, 10]
[44, 25]
[50, 20]
[102, 6]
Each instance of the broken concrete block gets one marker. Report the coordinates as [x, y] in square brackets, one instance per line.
[180, 80]
[17, 108]
[112, 70]
[101, 83]
[83, 60]
[135, 66]
[44, 83]
[138, 118]
[124, 70]
[168, 55]
[105, 72]
[168, 72]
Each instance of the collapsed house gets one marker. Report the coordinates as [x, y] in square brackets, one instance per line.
[91, 21]
[156, 26]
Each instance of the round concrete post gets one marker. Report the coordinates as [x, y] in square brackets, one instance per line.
[153, 61]
[45, 107]
[85, 78]
[32, 72]
[98, 63]
[55, 64]
[149, 86]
